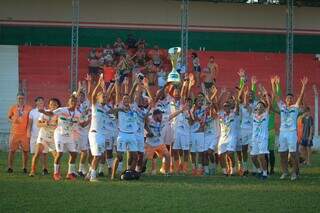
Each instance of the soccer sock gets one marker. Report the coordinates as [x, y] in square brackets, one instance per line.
[93, 173]
[82, 168]
[56, 168]
[120, 167]
[265, 173]
[109, 162]
[254, 169]
[259, 170]
[193, 166]
[206, 169]
[71, 168]
[212, 166]
[224, 170]
[100, 167]
[245, 165]
[233, 170]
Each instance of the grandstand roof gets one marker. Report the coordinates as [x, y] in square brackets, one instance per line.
[298, 3]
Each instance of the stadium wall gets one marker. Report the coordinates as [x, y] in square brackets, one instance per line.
[219, 27]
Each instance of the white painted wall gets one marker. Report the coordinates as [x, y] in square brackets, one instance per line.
[9, 82]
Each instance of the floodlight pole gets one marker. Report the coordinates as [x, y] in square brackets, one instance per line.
[184, 25]
[289, 48]
[74, 64]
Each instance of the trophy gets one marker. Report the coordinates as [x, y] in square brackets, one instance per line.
[174, 76]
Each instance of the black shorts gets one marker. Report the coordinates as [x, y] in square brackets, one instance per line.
[208, 85]
[197, 69]
[306, 143]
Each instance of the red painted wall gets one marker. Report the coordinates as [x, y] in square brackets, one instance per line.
[45, 70]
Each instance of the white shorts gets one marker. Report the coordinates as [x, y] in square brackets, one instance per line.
[229, 145]
[259, 147]
[65, 144]
[33, 142]
[97, 143]
[182, 141]
[110, 140]
[210, 141]
[83, 142]
[246, 136]
[140, 142]
[167, 134]
[127, 142]
[47, 143]
[197, 142]
[288, 141]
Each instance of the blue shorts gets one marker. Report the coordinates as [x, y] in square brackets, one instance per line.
[197, 69]
[306, 143]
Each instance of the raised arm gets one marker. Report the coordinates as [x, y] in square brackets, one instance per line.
[176, 113]
[95, 91]
[117, 88]
[266, 96]
[275, 85]
[184, 90]
[126, 85]
[304, 83]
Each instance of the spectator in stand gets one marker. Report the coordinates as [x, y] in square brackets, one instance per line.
[151, 70]
[196, 67]
[141, 44]
[131, 42]
[213, 68]
[307, 136]
[207, 78]
[95, 58]
[155, 55]
[118, 46]
[92, 54]
[108, 54]
[124, 67]
[19, 117]
[140, 57]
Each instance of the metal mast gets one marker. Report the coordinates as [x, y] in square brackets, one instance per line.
[184, 32]
[289, 49]
[74, 45]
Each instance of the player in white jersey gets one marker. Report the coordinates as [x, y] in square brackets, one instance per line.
[98, 128]
[211, 137]
[33, 131]
[68, 119]
[180, 130]
[143, 113]
[246, 107]
[288, 127]
[260, 135]
[111, 138]
[198, 117]
[128, 127]
[45, 142]
[82, 132]
[228, 135]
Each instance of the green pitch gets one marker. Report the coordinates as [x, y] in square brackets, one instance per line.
[19, 193]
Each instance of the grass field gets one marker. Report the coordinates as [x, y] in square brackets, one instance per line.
[19, 193]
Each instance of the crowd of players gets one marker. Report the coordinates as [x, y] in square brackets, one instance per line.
[104, 121]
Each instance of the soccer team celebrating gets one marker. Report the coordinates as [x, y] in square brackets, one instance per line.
[121, 122]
